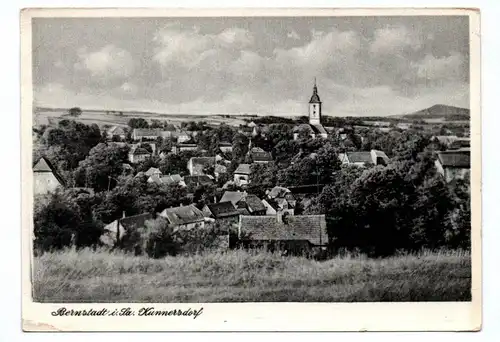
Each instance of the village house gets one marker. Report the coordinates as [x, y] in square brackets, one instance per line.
[184, 217]
[152, 171]
[116, 131]
[222, 211]
[279, 199]
[246, 130]
[296, 235]
[192, 182]
[262, 130]
[364, 159]
[138, 154]
[245, 203]
[168, 179]
[198, 166]
[453, 164]
[242, 174]
[179, 147]
[259, 156]
[46, 178]
[145, 134]
[115, 232]
[226, 147]
[452, 142]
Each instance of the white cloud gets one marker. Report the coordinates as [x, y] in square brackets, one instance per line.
[189, 48]
[394, 39]
[444, 68]
[128, 87]
[108, 62]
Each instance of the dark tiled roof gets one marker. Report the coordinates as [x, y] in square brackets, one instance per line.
[147, 132]
[254, 203]
[183, 215]
[203, 160]
[359, 157]
[152, 171]
[222, 209]
[233, 196]
[318, 129]
[311, 228]
[261, 156]
[243, 211]
[460, 158]
[243, 169]
[140, 150]
[195, 180]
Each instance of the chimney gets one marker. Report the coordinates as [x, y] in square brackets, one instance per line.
[123, 214]
[279, 215]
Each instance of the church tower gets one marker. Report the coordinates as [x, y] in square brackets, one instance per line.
[315, 107]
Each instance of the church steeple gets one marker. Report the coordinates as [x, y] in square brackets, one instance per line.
[315, 107]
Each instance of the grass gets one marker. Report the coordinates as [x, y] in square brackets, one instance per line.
[239, 276]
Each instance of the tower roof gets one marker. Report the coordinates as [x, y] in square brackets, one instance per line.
[315, 96]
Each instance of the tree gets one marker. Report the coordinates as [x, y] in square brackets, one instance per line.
[103, 164]
[138, 123]
[72, 140]
[64, 218]
[75, 111]
[240, 147]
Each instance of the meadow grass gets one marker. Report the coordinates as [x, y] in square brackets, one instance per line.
[240, 276]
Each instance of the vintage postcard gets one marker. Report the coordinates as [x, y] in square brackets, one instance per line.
[251, 170]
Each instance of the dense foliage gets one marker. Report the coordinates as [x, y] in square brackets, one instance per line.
[378, 210]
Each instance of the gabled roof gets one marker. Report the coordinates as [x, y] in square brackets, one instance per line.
[261, 156]
[170, 179]
[116, 130]
[311, 228]
[254, 203]
[359, 157]
[183, 215]
[152, 171]
[139, 151]
[243, 169]
[147, 132]
[202, 160]
[233, 196]
[44, 165]
[318, 129]
[222, 209]
[459, 158]
[278, 191]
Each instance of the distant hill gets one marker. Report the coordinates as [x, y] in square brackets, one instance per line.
[439, 111]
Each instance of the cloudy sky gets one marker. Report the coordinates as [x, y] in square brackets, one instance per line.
[363, 65]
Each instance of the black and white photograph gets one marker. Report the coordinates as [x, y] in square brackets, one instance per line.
[251, 158]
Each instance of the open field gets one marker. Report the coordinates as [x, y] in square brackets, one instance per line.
[238, 276]
[43, 116]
